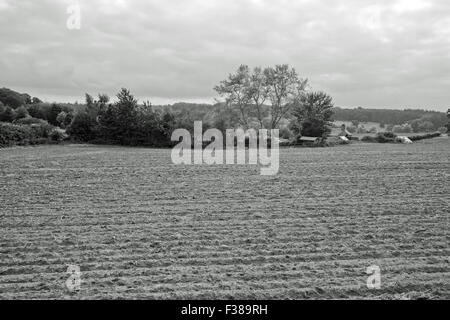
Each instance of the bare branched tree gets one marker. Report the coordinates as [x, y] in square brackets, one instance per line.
[285, 87]
[278, 86]
[235, 90]
[258, 93]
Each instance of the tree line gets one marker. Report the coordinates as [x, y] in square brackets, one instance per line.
[407, 120]
[272, 97]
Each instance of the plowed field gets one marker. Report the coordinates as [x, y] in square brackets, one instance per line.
[140, 227]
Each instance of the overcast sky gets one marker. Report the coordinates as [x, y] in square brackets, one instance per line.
[364, 53]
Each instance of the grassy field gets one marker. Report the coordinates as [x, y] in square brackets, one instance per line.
[140, 227]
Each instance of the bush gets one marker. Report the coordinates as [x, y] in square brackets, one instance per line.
[64, 119]
[442, 130]
[82, 127]
[285, 133]
[48, 112]
[425, 136]
[31, 120]
[43, 130]
[21, 113]
[58, 134]
[8, 115]
[14, 134]
[389, 135]
[369, 139]
[381, 137]
[405, 128]
[38, 110]
[55, 109]
[313, 128]
[351, 129]
[361, 129]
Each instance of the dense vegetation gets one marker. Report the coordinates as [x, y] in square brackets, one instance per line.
[385, 137]
[15, 99]
[448, 116]
[401, 121]
[274, 97]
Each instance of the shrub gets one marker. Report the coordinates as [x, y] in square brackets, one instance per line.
[42, 129]
[8, 115]
[47, 111]
[55, 109]
[30, 120]
[385, 137]
[405, 128]
[428, 122]
[21, 113]
[389, 135]
[82, 127]
[381, 137]
[351, 129]
[426, 126]
[425, 136]
[11, 134]
[285, 133]
[361, 129]
[64, 119]
[58, 134]
[369, 139]
[14, 134]
[38, 110]
[442, 130]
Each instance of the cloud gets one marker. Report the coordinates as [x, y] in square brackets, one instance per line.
[364, 53]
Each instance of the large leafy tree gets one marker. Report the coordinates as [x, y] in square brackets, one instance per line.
[313, 114]
[84, 125]
[119, 121]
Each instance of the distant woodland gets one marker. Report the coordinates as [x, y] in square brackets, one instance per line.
[270, 98]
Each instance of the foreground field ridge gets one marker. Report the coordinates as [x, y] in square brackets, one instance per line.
[140, 227]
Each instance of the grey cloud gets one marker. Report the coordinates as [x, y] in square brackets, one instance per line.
[364, 53]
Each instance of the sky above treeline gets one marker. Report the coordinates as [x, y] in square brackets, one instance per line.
[382, 54]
